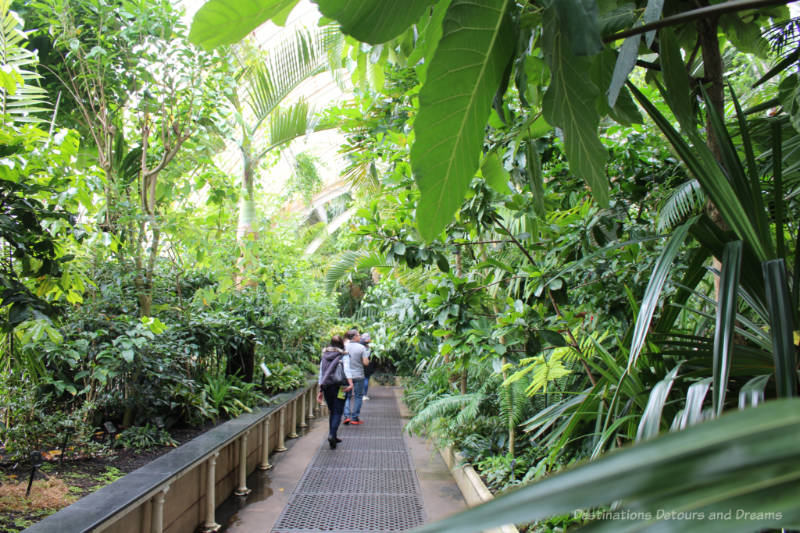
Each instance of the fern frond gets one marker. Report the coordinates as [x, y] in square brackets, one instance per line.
[444, 407]
[686, 199]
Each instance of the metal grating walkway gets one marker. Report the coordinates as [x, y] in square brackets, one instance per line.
[367, 484]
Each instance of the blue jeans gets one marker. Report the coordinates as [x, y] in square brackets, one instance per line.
[366, 386]
[335, 408]
[352, 405]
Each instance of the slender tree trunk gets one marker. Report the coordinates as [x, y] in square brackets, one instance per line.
[715, 89]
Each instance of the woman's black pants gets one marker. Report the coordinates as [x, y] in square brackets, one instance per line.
[335, 408]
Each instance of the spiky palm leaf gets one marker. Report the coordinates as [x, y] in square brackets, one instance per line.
[291, 62]
[348, 262]
[20, 98]
[288, 123]
[687, 199]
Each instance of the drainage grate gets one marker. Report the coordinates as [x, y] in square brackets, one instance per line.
[329, 480]
[360, 512]
[367, 484]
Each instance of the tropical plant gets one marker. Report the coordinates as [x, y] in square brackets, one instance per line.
[144, 437]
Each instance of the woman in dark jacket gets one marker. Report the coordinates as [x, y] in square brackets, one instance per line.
[331, 392]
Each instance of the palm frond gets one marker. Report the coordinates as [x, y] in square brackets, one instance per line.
[291, 62]
[348, 262]
[687, 199]
[289, 123]
[20, 98]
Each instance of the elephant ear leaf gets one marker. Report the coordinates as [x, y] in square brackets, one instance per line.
[569, 103]
[374, 21]
[221, 22]
[466, 70]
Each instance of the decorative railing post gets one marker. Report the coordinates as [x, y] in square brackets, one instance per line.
[281, 447]
[264, 464]
[242, 490]
[293, 426]
[211, 505]
[303, 410]
[312, 399]
[157, 516]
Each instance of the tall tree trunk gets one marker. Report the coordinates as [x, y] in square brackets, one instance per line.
[715, 89]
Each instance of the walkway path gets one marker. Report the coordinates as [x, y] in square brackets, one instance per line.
[378, 479]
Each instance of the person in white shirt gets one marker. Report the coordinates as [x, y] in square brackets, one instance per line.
[358, 360]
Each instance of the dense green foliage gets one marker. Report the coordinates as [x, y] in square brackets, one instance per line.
[121, 300]
[573, 226]
[667, 298]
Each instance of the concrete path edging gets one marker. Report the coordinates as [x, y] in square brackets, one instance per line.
[470, 483]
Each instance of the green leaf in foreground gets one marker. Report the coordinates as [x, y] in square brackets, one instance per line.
[221, 22]
[374, 21]
[745, 462]
[463, 77]
[569, 103]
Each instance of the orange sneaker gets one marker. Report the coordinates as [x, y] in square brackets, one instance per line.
[356, 422]
[346, 421]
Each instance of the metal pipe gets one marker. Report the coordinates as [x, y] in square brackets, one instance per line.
[157, 517]
[686, 16]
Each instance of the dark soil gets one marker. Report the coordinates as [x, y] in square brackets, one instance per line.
[84, 475]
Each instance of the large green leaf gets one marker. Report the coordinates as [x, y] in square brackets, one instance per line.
[652, 293]
[536, 177]
[676, 79]
[650, 423]
[781, 329]
[569, 103]
[726, 321]
[374, 21]
[579, 21]
[466, 70]
[221, 22]
[746, 462]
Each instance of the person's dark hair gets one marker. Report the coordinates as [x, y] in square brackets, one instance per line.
[337, 342]
[351, 334]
